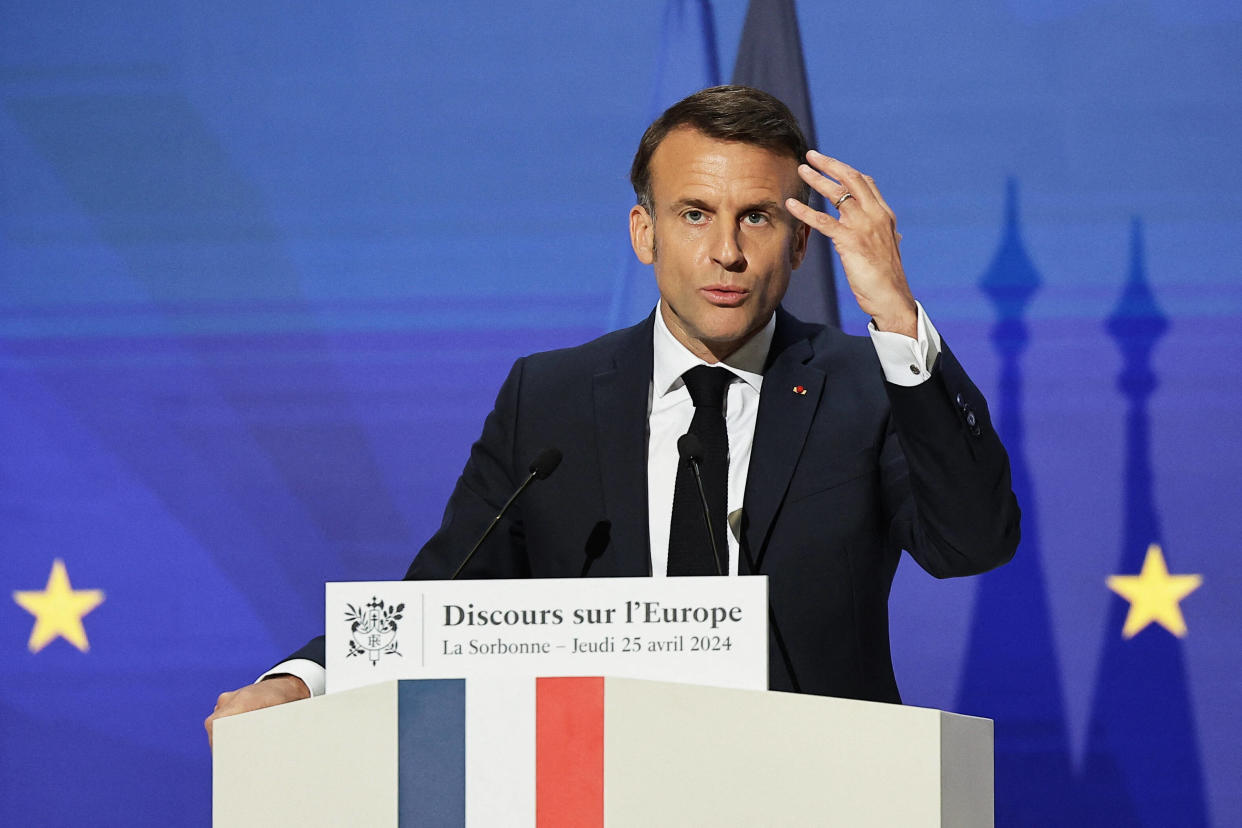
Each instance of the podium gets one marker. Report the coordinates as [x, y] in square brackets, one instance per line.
[598, 751]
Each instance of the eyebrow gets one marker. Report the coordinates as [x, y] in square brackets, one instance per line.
[757, 207]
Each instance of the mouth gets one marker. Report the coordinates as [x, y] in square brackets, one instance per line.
[725, 296]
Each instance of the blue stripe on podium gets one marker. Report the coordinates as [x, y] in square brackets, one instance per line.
[431, 752]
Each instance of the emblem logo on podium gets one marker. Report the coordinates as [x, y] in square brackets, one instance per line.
[373, 629]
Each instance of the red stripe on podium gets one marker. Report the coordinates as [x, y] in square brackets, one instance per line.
[569, 752]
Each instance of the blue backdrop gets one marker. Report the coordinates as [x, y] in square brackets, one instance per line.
[262, 272]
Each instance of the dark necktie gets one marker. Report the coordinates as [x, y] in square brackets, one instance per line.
[689, 545]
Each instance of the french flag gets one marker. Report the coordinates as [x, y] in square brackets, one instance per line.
[546, 770]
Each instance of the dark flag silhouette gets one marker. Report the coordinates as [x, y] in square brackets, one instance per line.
[1142, 759]
[1011, 673]
[770, 58]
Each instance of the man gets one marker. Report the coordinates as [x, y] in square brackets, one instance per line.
[835, 459]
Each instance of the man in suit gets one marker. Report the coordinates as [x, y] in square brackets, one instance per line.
[840, 451]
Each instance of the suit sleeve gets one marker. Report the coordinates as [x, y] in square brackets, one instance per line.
[946, 475]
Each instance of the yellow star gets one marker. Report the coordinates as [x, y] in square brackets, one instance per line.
[58, 610]
[1154, 595]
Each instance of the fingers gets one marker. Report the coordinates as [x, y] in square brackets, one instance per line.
[848, 180]
[222, 705]
[820, 183]
[832, 179]
[207, 723]
[814, 219]
[866, 229]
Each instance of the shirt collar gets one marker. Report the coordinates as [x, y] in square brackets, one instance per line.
[672, 359]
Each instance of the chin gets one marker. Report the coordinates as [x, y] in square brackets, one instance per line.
[733, 328]
[727, 336]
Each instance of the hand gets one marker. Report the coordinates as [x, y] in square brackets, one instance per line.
[866, 239]
[267, 693]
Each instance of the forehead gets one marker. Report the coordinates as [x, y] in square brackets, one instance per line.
[689, 165]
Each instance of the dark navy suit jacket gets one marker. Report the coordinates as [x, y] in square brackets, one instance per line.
[841, 479]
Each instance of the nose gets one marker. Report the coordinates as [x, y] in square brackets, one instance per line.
[727, 247]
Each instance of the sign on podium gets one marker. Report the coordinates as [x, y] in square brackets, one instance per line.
[711, 631]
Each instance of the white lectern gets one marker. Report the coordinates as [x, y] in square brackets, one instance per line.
[598, 751]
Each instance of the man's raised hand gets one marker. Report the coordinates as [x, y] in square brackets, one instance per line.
[866, 238]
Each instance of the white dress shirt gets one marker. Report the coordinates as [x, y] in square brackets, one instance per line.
[669, 412]
[905, 361]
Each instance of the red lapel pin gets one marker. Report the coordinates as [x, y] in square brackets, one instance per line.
[798, 389]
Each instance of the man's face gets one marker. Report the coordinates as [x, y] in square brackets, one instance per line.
[720, 239]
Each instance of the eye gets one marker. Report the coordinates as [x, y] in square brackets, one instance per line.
[755, 217]
[694, 216]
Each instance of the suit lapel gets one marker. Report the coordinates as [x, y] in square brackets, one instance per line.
[621, 392]
[784, 419]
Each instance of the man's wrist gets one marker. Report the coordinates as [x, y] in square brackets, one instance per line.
[907, 360]
[903, 320]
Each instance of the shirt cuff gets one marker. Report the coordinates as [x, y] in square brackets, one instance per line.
[312, 675]
[907, 361]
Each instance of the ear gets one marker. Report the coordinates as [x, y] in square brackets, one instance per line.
[642, 234]
[802, 233]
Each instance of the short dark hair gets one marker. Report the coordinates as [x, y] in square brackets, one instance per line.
[726, 113]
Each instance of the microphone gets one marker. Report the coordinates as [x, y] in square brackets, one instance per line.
[691, 451]
[540, 469]
[545, 463]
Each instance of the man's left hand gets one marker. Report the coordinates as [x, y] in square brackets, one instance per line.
[865, 235]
